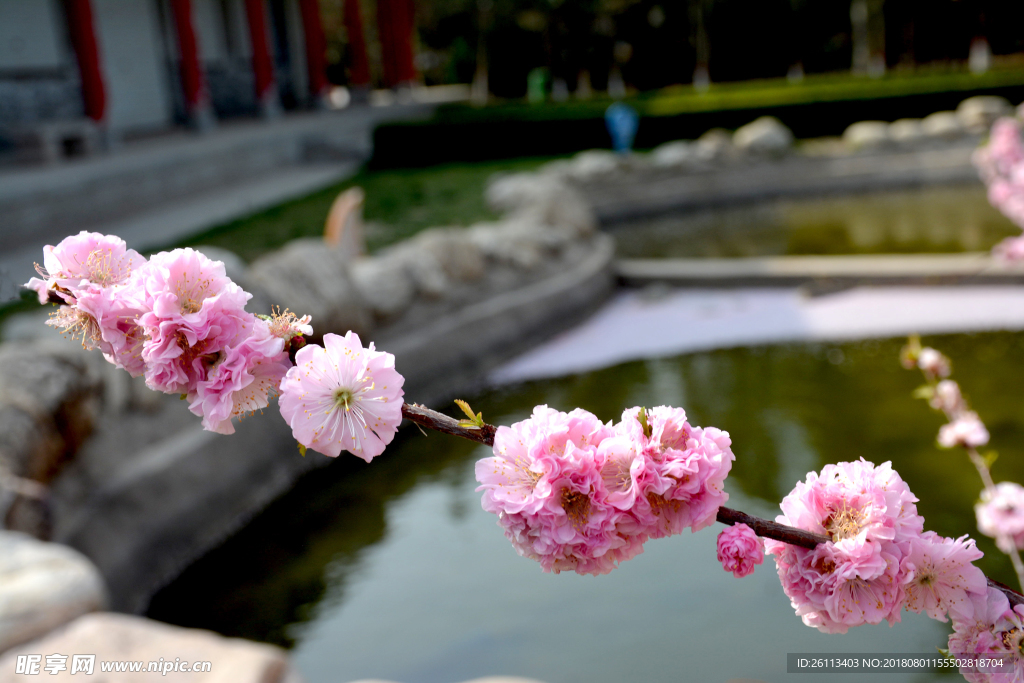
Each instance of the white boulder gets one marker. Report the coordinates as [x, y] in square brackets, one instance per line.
[765, 135]
[42, 586]
[867, 135]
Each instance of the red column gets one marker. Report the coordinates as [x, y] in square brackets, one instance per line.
[262, 64]
[316, 47]
[395, 22]
[191, 70]
[359, 65]
[83, 38]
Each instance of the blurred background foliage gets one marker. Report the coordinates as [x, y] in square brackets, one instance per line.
[651, 44]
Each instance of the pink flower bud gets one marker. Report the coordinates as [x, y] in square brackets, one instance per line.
[739, 549]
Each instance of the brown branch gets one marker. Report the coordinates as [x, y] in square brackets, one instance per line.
[765, 528]
[769, 529]
[440, 422]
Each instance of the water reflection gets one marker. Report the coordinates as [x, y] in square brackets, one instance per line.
[392, 570]
[936, 220]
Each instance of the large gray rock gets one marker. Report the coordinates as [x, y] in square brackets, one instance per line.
[906, 132]
[714, 144]
[867, 135]
[977, 114]
[385, 284]
[515, 247]
[508, 192]
[675, 154]
[423, 268]
[42, 585]
[461, 260]
[49, 401]
[119, 637]
[943, 125]
[310, 278]
[543, 200]
[594, 163]
[765, 135]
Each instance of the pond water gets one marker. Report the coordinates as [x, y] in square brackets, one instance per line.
[392, 570]
[933, 219]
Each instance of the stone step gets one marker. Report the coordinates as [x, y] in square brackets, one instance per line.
[828, 272]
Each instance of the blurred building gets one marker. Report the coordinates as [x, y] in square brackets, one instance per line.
[76, 72]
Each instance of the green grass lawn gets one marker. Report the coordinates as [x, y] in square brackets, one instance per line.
[751, 94]
[399, 203]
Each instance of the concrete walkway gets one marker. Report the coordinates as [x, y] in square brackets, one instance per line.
[153, 192]
[640, 324]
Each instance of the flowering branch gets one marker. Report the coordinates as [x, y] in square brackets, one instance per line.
[439, 422]
[431, 419]
[964, 429]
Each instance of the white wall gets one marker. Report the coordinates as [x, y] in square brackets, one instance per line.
[208, 21]
[134, 70]
[238, 29]
[29, 35]
[297, 49]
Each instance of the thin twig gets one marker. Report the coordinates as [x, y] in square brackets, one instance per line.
[765, 528]
[440, 422]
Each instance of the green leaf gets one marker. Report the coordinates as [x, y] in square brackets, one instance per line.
[465, 408]
[183, 397]
[990, 457]
[925, 391]
[302, 450]
[642, 417]
[910, 352]
[474, 421]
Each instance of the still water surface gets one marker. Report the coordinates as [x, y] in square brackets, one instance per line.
[932, 219]
[392, 570]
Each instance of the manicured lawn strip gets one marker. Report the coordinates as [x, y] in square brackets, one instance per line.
[753, 94]
[399, 203]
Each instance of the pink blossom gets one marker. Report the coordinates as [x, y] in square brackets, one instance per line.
[87, 258]
[947, 398]
[545, 482]
[965, 430]
[1001, 516]
[681, 483]
[944, 578]
[342, 396]
[114, 313]
[933, 363]
[1011, 248]
[855, 578]
[977, 635]
[1004, 151]
[192, 312]
[287, 325]
[739, 549]
[994, 631]
[242, 380]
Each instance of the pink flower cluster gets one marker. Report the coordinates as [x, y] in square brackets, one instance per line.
[1001, 515]
[176, 318]
[992, 630]
[878, 560]
[1001, 165]
[739, 549]
[577, 494]
[965, 428]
